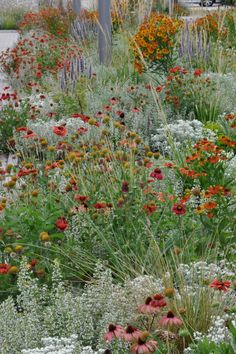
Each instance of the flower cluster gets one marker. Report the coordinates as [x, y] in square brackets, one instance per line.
[154, 43]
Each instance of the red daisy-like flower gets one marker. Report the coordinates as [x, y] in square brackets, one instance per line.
[157, 174]
[220, 285]
[60, 130]
[179, 208]
[198, 72]
[62, 224]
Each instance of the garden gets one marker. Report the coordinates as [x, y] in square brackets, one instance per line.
[118, 217]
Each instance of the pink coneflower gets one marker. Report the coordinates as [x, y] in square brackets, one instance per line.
[107, 108]
[157, 174]
[148, 306]
[144, 346]
[114, 100]
[131, 333]
[114, 331]
[179, 208]
[170, 320]
[220, 285]
[136, 110]
[100, 114]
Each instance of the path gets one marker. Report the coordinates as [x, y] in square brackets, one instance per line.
[7, 39]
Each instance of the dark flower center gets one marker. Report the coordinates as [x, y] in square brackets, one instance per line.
[112, 328]
[130, 329]
[170, 314]
[148, 300]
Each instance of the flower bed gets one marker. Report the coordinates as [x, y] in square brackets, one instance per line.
[117, 223]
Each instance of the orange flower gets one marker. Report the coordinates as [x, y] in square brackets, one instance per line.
[209, 205]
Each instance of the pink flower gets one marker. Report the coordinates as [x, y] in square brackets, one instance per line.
[157, 174]
[136, 110]
[149, 306]
[114, 331]
[144, 346]
[131, 333]
[179, 208]
[170, 320]
[220, 285]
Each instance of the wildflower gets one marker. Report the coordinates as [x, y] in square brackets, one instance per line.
[29, 135]
[81, 198]
[169, 292]
[125, 187]
[4, 268]
[209, 205]
[143, 345]
[62, 224]
[170, 320]
[131, 333]
[158, 300]
[157, 174]
[114, 331]
[179, 209]
[220, 285]
[60, 130]
[197, 72]
[13, 270]
[150, 208]
[44, 236]
[149, 306]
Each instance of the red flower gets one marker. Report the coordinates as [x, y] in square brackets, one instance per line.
[157, 174]
[29, 135]
[81, 198]
[150, 208]
[179, 208]
[4, 268]
[62, 224]
[60, 130]
[159, 88]
[170, 320]
[125, 187]
[220, 285]
[22, 129]
[100, 205]
[114, 331]
[198, 72]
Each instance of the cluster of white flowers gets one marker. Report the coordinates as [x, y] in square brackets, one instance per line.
[217, 333]
[198, 271]
[55, 346]
[59, 313]
[180, 133]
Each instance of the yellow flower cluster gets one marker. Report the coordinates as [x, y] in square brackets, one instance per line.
[154, 41]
